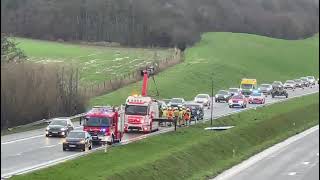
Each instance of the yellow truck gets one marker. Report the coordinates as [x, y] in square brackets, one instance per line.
[247, 86]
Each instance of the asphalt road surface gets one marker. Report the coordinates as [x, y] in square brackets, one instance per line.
[28, 150]
[296, 161]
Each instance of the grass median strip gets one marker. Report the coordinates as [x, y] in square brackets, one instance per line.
[192, 153]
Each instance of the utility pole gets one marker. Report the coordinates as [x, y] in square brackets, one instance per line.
[211, 98]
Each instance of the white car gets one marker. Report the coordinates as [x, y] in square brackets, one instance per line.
[203, 99]
[234, 91]
[312, 80]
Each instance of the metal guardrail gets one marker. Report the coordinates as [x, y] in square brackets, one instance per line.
[46, 121]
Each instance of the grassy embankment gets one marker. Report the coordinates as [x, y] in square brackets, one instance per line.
[230, 56]
[192, 153]
[96, 63]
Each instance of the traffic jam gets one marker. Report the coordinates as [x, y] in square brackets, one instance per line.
[141, 113]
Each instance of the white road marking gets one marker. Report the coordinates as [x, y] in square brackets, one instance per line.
[306, 163]
[271, 150]
[317, 154]
[292, 173]
[22, 139]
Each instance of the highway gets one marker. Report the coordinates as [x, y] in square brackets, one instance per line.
[27, 151]
[297, 160]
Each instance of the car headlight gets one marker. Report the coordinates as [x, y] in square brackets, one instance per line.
[82, 142]
[47, 129]
[63, 129]
[216, 96]
[225, 96]
[230, 101]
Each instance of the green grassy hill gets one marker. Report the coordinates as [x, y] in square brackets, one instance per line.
[96, 63]
[230, 57]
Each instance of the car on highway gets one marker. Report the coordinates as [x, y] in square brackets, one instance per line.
[166, 101]
[203, 99]
[289, 84]
[277, 84]
[238, 101]
[234, 91]
[299, 83]
[77, 139]
[279, 91]
[257, 98]
[265, 89]
[176, 102]
[197, 110]
[305, 81]
[222, 95]
[312, 80]
[59, 127]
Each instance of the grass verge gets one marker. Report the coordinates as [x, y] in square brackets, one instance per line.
[227, 58]
[192, 153]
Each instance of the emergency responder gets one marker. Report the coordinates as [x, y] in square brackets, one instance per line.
[187, 116]
[176, 114]
[170, 115]
[180, 116]
[164, 114]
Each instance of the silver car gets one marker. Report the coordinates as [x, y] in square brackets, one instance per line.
[289, 84]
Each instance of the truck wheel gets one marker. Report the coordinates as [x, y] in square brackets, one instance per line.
[90, 147]
[230, 106]
[272, 96]
[64, 149]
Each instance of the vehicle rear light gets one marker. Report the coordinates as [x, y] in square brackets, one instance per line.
[145, 129]
[85, 129]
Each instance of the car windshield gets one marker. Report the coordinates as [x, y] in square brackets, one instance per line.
[237, 97]
[59, 122]
[265, 85]
[233, 90]
[136, 110]
[276, 83]
[304, 79]
[290, 82]
[202, 96]
[193, 107]
[246, 86]
[297, 80]
[76, 135]
[97, 121]
[310, 77]
[223, 92]
[176, 101]
[256, 94]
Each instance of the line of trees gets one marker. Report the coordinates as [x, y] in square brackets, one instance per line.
[156, 22]
[30, 92]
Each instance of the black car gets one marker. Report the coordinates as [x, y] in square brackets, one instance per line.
[78, 139]
[299, 83]
[223, 95]
[59, 127]
[197, 110]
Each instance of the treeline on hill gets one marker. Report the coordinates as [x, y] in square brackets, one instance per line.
[156, 22]
[31, 92]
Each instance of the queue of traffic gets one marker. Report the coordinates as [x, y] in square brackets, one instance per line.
[107, 124]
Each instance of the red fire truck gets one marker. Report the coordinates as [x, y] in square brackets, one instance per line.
[141, 110]
[105, 124]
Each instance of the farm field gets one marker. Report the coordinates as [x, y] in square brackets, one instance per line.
[96, 63]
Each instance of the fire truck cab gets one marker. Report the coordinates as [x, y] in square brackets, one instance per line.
[139, 114]
[105, 124]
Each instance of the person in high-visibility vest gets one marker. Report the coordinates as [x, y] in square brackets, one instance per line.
[164, 114]
[180, 116]
[176, 114]
[187, 116]
[170, 115]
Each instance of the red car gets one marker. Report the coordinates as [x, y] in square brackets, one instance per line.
[238, 101]
[257, 98]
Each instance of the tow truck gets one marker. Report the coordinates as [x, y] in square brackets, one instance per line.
[105, 124]
[140, 110]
